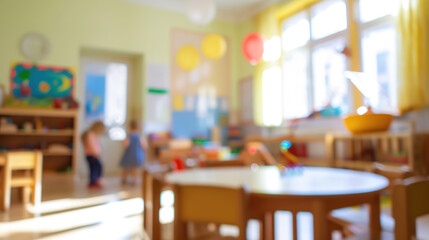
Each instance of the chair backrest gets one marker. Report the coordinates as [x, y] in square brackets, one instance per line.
[22, 160]
[410, 200]
[392, 173]
[209, 204]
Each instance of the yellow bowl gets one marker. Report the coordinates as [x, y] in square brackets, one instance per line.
[368, 123]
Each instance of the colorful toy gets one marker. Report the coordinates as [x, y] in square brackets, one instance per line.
[292, 162]
[178, 164]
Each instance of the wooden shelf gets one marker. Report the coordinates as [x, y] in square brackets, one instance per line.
[59, 127]
[364, 150]
[36, 112]
[48, 153]
[38, 133]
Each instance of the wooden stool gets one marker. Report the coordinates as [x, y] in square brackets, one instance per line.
[29, 180]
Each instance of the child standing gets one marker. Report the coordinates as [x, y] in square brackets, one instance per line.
[134, 154]
[93, 152]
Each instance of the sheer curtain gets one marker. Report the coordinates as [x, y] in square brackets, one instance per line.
[413, 29]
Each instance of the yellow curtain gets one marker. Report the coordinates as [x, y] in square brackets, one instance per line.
[413, 81]
[266, 24]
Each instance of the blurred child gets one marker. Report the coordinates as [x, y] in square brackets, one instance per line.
[134, 153]
[92, 152]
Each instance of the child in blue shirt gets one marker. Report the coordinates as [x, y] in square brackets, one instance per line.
[134, 154]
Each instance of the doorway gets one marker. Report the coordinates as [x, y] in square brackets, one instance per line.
[109, 82]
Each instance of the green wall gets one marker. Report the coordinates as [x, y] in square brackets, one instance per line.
[109, 25]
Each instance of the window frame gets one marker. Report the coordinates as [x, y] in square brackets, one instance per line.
[352, 36]
[310, 46]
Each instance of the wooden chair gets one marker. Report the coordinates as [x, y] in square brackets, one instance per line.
[410, 199]
[209, 204]
[392, 173]
[152, 187]
[22, 169]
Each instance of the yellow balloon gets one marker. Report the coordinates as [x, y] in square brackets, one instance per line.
[213, 46]
[187, 57]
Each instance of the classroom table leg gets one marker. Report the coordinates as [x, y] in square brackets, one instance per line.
[320, 226]
[374, 218]
[266, 226]
[295, 225]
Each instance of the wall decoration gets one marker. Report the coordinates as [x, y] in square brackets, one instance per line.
[189, 123]
[213, 46]
[187, 57]
[95, 96]
[177, 102]
[35, 46]
[253, 47]
[28, 80]
[158, 100]
[195, 94]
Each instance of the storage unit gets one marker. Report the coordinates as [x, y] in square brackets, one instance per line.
[363, 150]
[54, 131]
[299, 145]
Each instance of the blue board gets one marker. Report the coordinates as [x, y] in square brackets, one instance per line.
[190, 124]
[95, 92]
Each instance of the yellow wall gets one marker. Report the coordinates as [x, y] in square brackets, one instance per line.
[110, 25]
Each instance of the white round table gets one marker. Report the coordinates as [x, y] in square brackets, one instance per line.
[311, 189]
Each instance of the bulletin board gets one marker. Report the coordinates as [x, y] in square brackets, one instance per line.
[200, 96]
[31, 80]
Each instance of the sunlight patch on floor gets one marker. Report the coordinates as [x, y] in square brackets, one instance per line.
[107, 214]
[73, 203]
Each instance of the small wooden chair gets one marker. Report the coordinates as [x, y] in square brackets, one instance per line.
[30, 180]
[209, 204]
[392, 173]
[410, 199]
[152, 187]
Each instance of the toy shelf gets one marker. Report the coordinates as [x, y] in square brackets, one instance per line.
[39, 133]
[363, 150]
[45, 129]
[273, 145]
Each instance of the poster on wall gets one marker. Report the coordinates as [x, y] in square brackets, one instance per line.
[158, 101]
[32, 80]
[95, 90]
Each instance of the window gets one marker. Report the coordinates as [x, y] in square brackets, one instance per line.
[328, 17]
[314, 45]
[295, 93]
[329, 65]
[379, 57]
[271, 79]
[313, 65]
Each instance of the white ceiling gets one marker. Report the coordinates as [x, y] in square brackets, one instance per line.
[227, 10]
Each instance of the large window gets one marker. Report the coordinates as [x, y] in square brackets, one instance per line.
[313, 65]
[379, 57]
[316, 47]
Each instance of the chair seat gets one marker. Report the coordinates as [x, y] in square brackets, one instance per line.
[22, 181]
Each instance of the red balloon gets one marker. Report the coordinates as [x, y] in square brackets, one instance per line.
[253, 47]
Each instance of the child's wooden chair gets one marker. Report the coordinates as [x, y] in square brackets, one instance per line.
[152, 187]
[209, 204]
[410, 199]
[30, 179]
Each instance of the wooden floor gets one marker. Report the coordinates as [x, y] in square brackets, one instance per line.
[70, 210]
